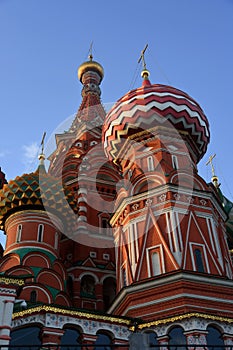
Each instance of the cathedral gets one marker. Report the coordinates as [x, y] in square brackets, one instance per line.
[119, 243]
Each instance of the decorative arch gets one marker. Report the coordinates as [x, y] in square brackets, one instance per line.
[91, 274]
[62, 299]
[59, 268]
[104, 337]
[9, 261]
[20, 270]
[152, 337]
[214, 337]
[43, 294]
[37, 259]
[29, 335]
[147, 183]
[50, 278]
[185, 179]
[176, 337]
[72, 336]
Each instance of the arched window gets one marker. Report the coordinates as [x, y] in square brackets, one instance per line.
[199, 260]
[103, 339]
[26, 337]
[177, 337]
[109, 291]
[152, 339]
[150, 163]
[33, 296]
[40, 232]
[104, 224]
[88, 286]
[214, 337]
[70, 337]
[19, 233]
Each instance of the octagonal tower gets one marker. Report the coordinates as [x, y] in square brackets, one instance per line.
[168, 223]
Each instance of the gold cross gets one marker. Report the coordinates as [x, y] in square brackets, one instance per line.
[210, 161]
[142, 57]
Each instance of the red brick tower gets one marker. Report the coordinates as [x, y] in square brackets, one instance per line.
[172, 256]
[33, 236]
[79, 161]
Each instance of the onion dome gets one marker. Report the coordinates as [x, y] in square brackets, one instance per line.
[36, 190]
[90, 66]
[149, 105]
[91, 111]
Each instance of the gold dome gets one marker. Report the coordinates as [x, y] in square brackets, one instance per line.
[90, 66]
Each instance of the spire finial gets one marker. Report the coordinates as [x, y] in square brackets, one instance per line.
[90, 55]
[214, 177]
[41, 155]
[145, 73]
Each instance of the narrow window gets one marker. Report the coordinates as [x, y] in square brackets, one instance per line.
[156, 264]
[124, 277]
[19, 233]
[199, 260]
[56, 241]
[150, 163]
[105, 223]
[40, 233]
[174, 162]
[33, 296]
[105, 226]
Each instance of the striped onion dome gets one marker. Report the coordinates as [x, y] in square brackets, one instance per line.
[143, 108]
[36, 190]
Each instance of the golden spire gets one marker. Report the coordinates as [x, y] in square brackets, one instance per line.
[145, 73]
[214, 177]
[41, 156]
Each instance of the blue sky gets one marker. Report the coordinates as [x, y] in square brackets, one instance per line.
[44, 41]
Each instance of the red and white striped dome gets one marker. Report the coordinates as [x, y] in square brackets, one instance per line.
[145, 107]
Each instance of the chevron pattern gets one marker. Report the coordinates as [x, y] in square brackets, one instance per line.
[149, 105]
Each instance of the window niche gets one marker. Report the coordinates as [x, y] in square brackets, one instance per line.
[87, 286]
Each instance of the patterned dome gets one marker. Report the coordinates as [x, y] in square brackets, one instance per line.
[35, 190]
[145, 107]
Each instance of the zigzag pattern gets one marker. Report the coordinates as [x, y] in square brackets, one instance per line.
[147, 106]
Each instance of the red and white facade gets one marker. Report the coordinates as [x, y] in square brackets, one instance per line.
[122, 223]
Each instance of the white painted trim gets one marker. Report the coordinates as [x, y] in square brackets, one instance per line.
[164, 280]
[176, 296]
